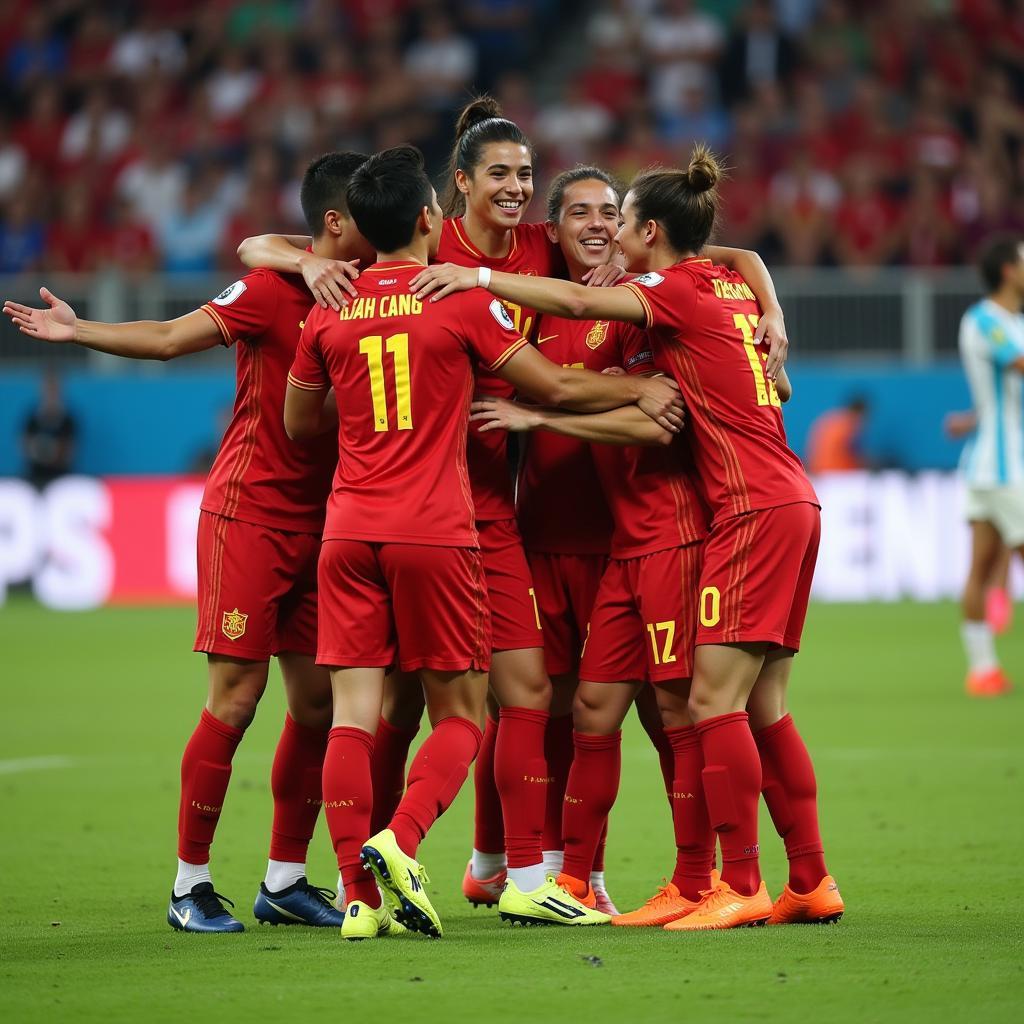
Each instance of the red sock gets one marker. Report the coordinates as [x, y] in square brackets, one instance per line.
[695, 838]
[602, 842]
[296, 782]
[348, 804]
[732, 787]
[791, 793]
[390, 752]
[489, 825]
[435, 778]
[521, 775]
[591, 791]
[205, 773]
[666, 759]
[558, 752]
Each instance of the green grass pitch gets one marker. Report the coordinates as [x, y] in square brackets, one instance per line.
[923, 818]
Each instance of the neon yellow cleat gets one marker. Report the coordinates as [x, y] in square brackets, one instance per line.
[550, 904]
[403, 878]
[365, 922]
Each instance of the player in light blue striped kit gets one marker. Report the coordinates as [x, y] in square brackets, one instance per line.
[992, 352]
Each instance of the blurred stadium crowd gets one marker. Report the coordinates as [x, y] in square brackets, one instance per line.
[155, 135]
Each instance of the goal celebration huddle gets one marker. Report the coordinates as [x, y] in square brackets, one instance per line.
[363, 522]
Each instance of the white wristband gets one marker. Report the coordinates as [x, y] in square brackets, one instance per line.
[483, 277]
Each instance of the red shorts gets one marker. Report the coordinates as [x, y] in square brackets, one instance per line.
[515, 620]
[757, 576]
[427, 603]
[644, 618]
[257, 589]
[565, 587]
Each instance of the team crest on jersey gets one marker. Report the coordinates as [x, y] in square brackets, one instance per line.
[232, 624]
[229, 294]
[500, 313]
[651, 280]
[597, 334]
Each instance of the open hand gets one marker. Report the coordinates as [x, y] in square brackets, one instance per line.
[330, 281]
[772, 329]
[55, 324]
[660, 399]
[500, 414]
[442, 279]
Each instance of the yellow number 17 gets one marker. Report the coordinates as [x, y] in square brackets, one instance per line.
[766, 393]
[397, 346]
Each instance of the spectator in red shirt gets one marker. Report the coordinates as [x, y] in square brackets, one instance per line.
[866, 222]
[73, 242]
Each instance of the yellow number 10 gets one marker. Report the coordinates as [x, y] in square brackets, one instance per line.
[766, 393]
[397, 346]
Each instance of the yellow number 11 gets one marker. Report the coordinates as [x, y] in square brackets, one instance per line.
[766, 393]
[397, 346]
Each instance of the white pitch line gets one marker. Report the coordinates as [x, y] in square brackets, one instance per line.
[33, 764]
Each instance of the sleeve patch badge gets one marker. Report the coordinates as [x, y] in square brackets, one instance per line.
[641, 357]
[651, 280]
[500, 313]
[229, 294]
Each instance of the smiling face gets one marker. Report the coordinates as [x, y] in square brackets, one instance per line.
[634, 238]
[587, 224]
[500, 187]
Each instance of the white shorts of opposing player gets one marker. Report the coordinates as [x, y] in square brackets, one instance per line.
[1003, 507]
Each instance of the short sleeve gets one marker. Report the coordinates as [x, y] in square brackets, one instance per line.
[668, 299]
[244, 310]
[308, 371]
[490, 331]
[635, 352]
[1005, 345]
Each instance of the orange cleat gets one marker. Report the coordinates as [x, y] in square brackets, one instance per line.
[578, 888]
[665, 906]
[723, 907]
[990, 683]
[484, 891]
[823, 906]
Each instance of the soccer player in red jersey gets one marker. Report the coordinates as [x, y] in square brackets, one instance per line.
[647, 598]
[490, 187]
[401, 512]
[760, 553]
[259, 538]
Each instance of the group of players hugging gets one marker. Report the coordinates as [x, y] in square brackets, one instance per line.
[360, 524]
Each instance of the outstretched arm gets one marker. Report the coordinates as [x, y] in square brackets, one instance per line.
[329, 280]
[586, 391]
[624, 426]
[546, 294]
[141, 339]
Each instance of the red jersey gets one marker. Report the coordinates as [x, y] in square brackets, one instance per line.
[702, 319]
[259, 475]
[531, 252]
[649, 490]
[403, 373]
[559, 501]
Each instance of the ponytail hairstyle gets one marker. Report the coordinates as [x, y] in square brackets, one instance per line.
[581, 172]
[479, 123]
[684, 203]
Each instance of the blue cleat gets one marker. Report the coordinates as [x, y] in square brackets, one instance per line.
[299, 903]
[202, 910]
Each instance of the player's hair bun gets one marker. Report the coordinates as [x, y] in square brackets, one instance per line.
[483, 108]
[703, 171]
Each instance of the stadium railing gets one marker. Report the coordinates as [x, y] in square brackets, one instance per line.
[886, 312]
